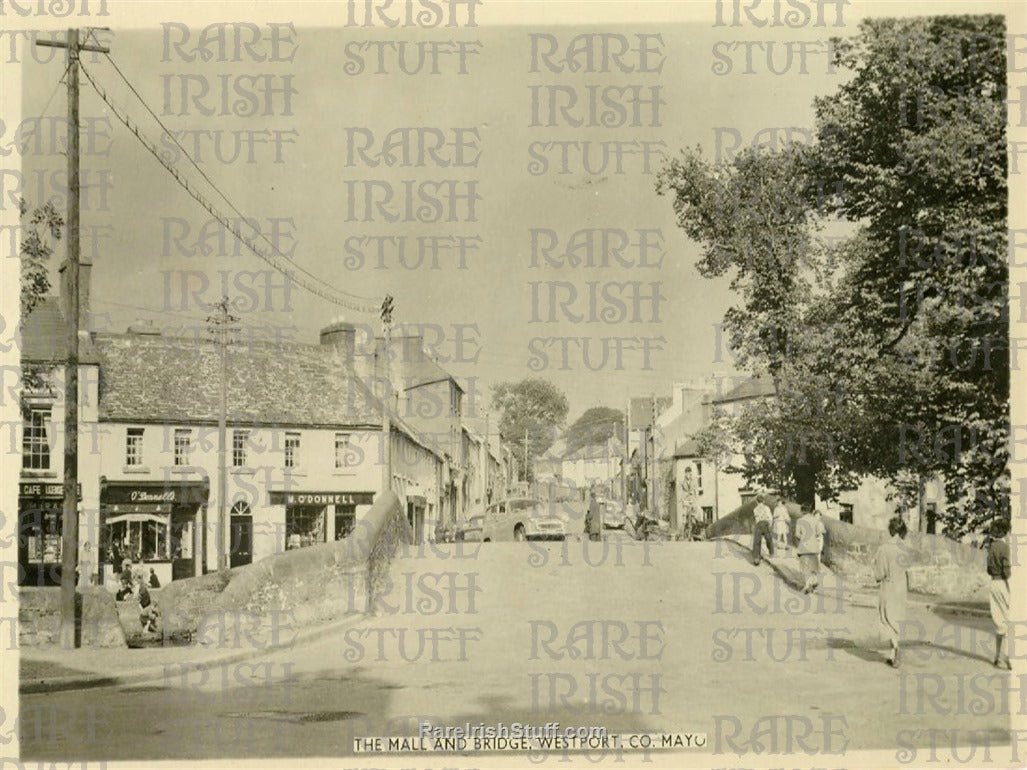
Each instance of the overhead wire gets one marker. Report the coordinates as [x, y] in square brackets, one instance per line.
[331, 295]
[217, 189]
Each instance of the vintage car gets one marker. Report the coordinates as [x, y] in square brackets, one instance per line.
[470, 530]
[522, 518]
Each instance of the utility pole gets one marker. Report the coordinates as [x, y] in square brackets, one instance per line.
[627, 455]
[388, 306]
[652, 438]
[221, 323]
[525, 455]
[69, 524]
[488, 461]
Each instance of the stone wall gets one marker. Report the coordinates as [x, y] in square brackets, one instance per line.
[286, 590]
[39, 618]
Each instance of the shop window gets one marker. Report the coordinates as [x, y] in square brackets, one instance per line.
[137, 536]
[292, 449]
[240, 438]
[304, 525]
[342, 459]
[183, 445]
[35, 440]
[345, 520]
[41, 533]
[134, 446]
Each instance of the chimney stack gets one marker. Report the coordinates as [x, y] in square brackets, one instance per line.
[342, 335]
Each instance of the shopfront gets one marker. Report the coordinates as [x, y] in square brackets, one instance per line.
[318, 517]
[157, 524]
[40, 513]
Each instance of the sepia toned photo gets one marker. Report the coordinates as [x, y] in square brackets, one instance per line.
[478, 383]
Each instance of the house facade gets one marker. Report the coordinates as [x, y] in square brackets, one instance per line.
[39, 437]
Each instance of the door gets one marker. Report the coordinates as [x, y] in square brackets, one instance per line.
[182, 565]
[241, 540]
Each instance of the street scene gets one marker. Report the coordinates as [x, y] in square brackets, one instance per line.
[454, 385]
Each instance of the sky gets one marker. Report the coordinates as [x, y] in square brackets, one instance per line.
[316, 193]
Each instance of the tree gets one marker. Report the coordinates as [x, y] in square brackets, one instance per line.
[533, 407]
[597, 425]
[889, 351]
[754, 219]
[917, 136]
[42, 230]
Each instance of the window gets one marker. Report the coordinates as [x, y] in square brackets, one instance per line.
[698, 477]
[134, 447]
[304, 525]
[35, 444]
[137, 536]
[707, 512]
[342, 459]
[292, 447]
[846, 513]
[240, 438]
[345, 520]
[183, 442]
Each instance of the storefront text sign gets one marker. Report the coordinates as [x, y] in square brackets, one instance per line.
[321, 498]
[40, 489]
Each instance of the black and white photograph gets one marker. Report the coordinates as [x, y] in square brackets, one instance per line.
[504, 383]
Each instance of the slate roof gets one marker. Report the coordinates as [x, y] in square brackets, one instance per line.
[44, 335]
[158, 378]
[751, 387]
[687, 448]
[415, 366]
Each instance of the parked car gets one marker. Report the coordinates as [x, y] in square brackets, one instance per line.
[470, 530]
[522, 518]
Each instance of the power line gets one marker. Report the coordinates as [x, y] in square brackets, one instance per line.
[209, 181]
[221, 218]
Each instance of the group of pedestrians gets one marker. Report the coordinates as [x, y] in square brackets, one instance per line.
[890, 564]
[772, 528]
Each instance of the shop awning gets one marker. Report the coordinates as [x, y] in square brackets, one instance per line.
[138, 517]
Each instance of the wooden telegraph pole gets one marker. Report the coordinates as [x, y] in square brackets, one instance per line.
[221, 324]
[69, 525]
[388, 305]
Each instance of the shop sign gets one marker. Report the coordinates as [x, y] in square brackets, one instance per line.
[172, 494]
[321, 498]
[38, 489]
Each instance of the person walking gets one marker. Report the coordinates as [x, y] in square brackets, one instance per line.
[809, 540]
[761, 530]
[782, 523]
[594, 519]
[999, 571]
[890, 572]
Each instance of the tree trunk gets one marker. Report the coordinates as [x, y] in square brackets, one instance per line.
[805, 484]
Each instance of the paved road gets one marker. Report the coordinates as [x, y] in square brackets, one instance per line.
[658, 637]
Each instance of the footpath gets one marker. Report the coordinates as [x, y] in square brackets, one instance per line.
[53, 668]
[786, 565]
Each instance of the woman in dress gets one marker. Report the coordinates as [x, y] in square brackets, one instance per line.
[999, 572]
[890, 572]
